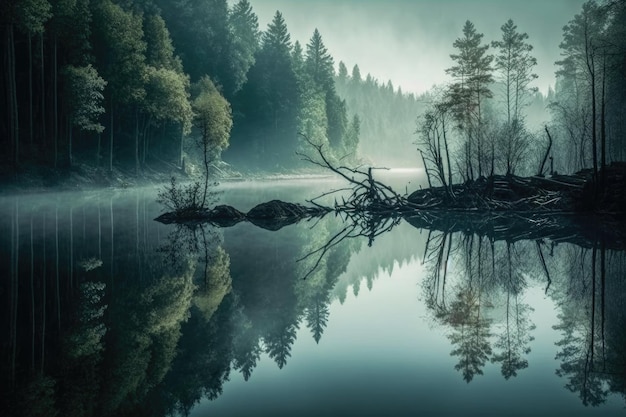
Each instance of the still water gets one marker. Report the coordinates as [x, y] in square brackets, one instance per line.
[108, 313]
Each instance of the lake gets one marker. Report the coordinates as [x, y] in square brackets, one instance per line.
[106, 312]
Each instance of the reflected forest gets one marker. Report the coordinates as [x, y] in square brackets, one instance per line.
[457, 226]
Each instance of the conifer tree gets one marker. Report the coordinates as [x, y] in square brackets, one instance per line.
[472, 74]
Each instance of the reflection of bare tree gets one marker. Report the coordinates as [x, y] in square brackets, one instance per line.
[580, 343]
[436, 279]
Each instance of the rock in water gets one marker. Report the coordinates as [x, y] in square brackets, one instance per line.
[277, 209]
[276, 214]
[226, 216]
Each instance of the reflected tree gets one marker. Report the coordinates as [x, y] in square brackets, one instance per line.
[317, 317]
[470, 334]
[279, 341]
[513, 342]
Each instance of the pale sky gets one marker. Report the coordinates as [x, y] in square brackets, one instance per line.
[410, 41]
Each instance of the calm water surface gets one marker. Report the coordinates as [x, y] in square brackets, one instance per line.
[106, 313]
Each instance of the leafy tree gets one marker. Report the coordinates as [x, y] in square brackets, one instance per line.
[213, 118]
[167, 99]
[83, 93]
[472, 74]
[123, 58]
[159, 47]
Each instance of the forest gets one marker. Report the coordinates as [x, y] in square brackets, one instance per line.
[125, 84]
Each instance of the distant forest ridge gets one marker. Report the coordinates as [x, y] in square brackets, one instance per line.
[122, 83]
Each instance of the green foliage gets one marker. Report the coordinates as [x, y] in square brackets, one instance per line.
[319, 64]
[217, 284]
[33, 14]
[84, 94]
[213, 116]
[181, 199]
[167, 97]
[245, 42]
[125, 68]
[159, 47]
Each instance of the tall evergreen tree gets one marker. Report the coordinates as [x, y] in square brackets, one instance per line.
[515, 64]
[319, 63]
[269, 103]
[244, 25]
[472, 74]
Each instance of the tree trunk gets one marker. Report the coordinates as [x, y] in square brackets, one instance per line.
[71, 247]
[30, 89]
[56, 263]
[111, 139]
[69, 152]
[15, 247]
[98, 150]
[43, 297]
[43, 91]
[180, 156]
[603, 126]
[206, 168]
[12, 93]
[32, 297]
[136, 142]
[55, 83]
[445, 143]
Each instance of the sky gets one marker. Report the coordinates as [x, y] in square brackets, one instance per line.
[410, 41]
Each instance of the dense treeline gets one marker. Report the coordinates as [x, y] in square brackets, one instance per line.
[117, 82]
[386, 117]
[478, 124]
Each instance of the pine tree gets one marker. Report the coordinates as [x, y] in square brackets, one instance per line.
[515, 64]
[244, 24]
[472, 76]
[319, 63]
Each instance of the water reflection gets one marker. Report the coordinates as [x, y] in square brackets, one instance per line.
[482, 304]
[109, 313]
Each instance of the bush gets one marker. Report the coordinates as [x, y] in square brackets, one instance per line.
[183, 199]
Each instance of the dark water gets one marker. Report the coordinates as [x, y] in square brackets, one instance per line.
[108, 313]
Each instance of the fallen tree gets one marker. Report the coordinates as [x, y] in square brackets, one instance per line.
[372, 207]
